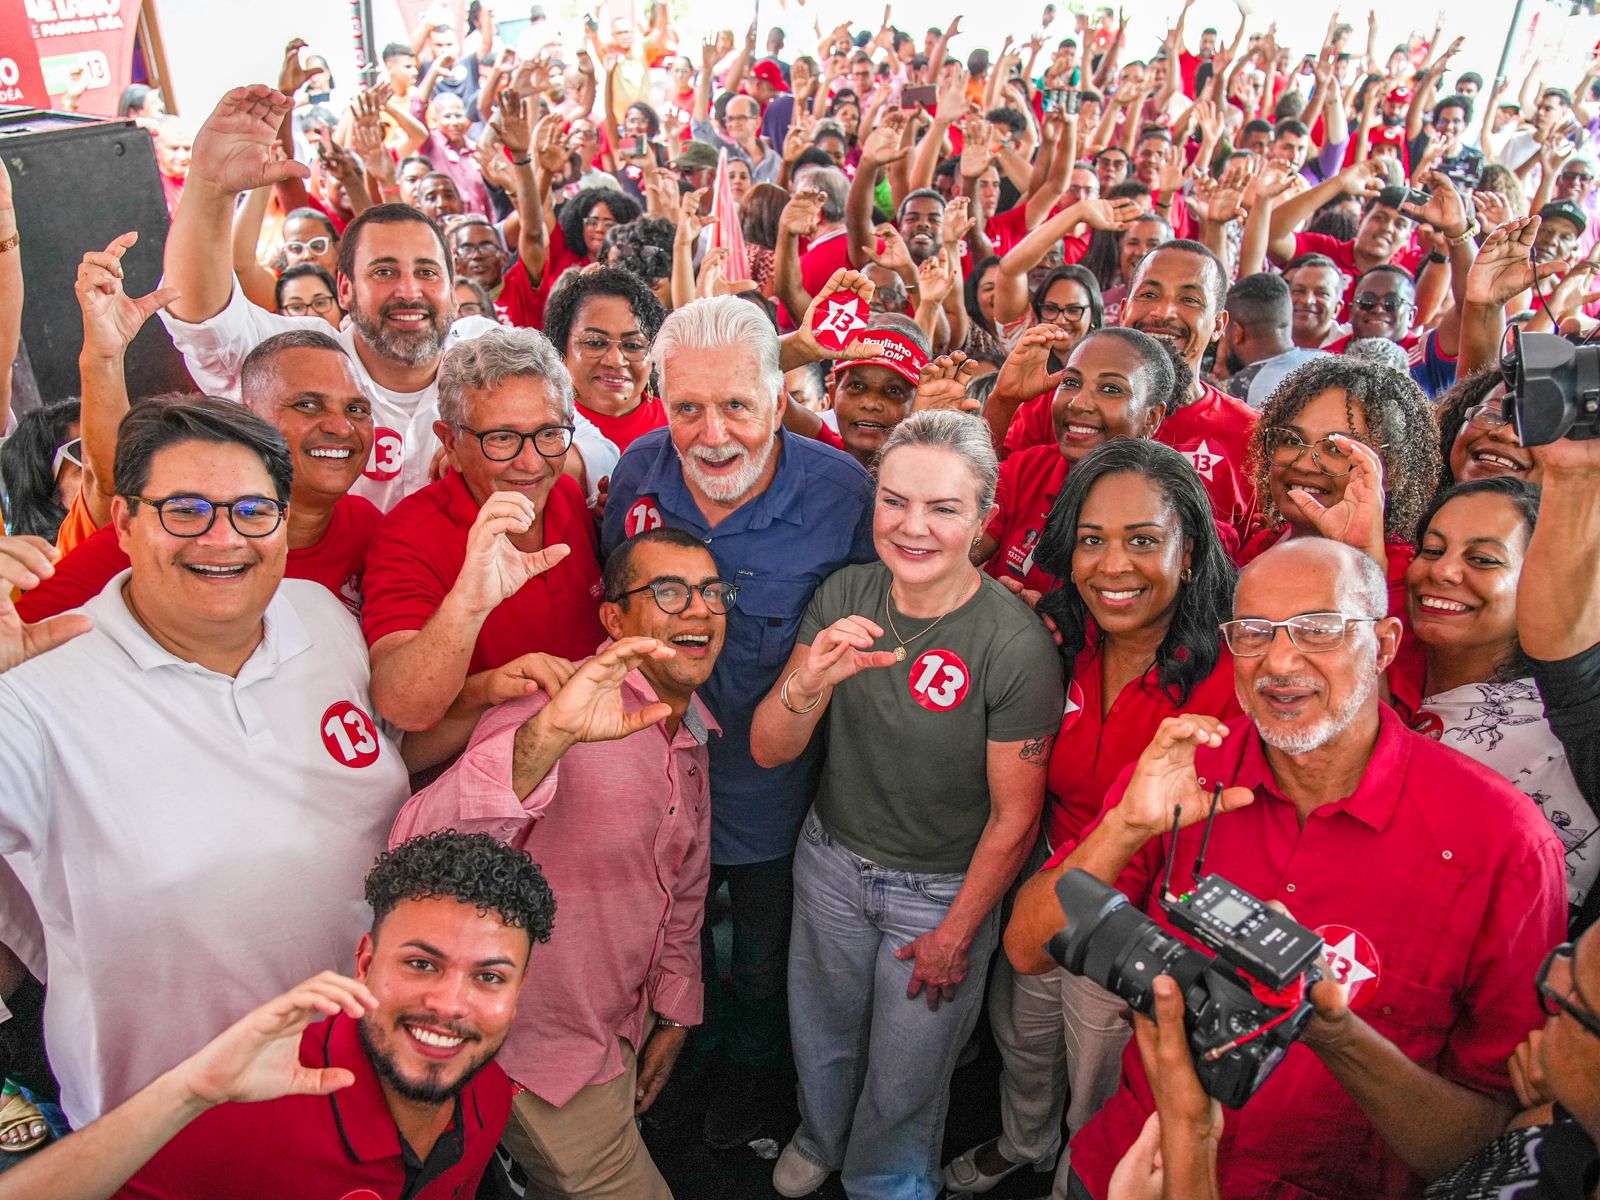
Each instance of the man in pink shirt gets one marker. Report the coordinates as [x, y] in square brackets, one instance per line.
[605, 785]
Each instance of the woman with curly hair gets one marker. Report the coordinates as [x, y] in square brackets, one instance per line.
[1149, 582]
[1346, 450]
[603, 322]
[1476, 437]
[645, 248]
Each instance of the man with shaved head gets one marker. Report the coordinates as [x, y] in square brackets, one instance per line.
[1436, 887]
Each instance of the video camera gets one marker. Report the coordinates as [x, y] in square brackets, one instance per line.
[1552, 388]
[1243, 1009]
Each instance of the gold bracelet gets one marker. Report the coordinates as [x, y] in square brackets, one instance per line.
[12, 242]
[783, 696]
[1470, 231]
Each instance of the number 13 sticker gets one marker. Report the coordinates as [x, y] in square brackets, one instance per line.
[939, 680]
[349, 735]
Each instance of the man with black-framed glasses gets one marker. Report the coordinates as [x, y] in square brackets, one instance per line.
[1435, 885]
[601, 777]
[496, 563]
[205, 740]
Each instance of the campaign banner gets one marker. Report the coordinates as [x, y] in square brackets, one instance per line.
[21, 81]
[87, 41]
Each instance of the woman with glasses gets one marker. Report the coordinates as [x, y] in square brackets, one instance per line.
[603, 322]
[582, 223]
[1345, 450]
[473, 301]
[308, 291]
[1064, 296]
[1149, 583]
[1067, 300]
[943, 695]
[1117, 383]
[1463, 677]
[1476, 437]
[41, 467]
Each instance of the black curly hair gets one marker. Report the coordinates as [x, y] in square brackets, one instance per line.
[571, 217]
[1452, 414]
[564, 306]
[473, 868]
[1400, 426]
[1192, 645]
[643, 247]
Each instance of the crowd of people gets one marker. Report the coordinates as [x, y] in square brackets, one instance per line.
[616, 476]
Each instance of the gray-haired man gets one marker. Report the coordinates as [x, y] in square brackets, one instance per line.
[496, 561]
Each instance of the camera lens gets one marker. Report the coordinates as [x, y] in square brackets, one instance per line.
[1109, 941]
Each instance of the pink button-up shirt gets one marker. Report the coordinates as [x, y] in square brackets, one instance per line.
[622, 831]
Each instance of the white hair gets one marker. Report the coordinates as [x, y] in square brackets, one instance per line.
[961, 434]
[491, 358]
[719, 323]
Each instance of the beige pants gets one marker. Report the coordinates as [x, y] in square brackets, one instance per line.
[589, 1147]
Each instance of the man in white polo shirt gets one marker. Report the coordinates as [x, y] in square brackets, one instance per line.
[192, 789]
[395, 281]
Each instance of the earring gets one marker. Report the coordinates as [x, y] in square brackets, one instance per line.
[1185, 575]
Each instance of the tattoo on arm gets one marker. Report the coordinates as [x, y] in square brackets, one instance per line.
[1036, 751]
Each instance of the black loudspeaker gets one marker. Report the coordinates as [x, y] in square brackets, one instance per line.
[78, 182]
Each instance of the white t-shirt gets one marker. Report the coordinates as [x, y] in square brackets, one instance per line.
[403, 442]
[194, 844]
[1503, 726]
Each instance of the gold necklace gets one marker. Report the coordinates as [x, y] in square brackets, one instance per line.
[900, 650]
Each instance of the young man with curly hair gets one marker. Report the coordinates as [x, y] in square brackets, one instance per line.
[398, 1091]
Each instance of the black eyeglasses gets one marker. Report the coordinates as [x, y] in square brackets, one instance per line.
[321, 305]
[1552, 1002]
[1285, 445]
[192, 516]
[672, 595]
[1054, 312]
[1367, 302]
[1314, 633]
[502, 445]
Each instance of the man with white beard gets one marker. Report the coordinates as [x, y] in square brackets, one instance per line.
[1436, 887]
[779, 513]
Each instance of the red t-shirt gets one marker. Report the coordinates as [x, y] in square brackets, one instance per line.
[336, 562]
[523, 301]
[344, 1144]
[1029, 483]
[418, 553]
[1343, 255]
[1005, 230]
[1097, 742]
[1443, 867]
[829, 436]
[648, 414]
[1213, 433]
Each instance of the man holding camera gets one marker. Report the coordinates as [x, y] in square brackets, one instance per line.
[1435, 886]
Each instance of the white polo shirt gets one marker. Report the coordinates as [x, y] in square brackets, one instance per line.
[194, 844]
[403, 441]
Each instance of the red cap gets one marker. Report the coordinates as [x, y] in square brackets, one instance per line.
[900, 354]
[1389, 135]
[770, 73]
[1399, 95]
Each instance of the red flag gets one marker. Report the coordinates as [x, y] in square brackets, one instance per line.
[728, 232]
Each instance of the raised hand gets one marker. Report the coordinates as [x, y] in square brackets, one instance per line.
[258, 1057]
[1356, 518]
[1026, 372]
[958, 220]
[1111, 215]
[690, 222]
[25, 562]
[237, 148]
[1164, 778]
[839, 651]
[522, 676]
[589, 707]
[975, 153]
[882, 146]
[802, 214]
[291, 75]
[936, 276]
[1445, 210]
[943, 384]
[1504, 268]
[550, 145]
[494, 568]
[111, 317]
[512, 117]
[894, 256]
[1493, 209]
[951, 101]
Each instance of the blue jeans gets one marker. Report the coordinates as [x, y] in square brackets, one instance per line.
[874, 1065]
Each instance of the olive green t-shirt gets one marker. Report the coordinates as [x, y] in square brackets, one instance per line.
[906, 779]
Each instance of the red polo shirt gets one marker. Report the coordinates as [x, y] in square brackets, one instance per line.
[1098, 741]
[418, 553]
[343, 1146]
[336, 561]
[1449, 873]
[648, 414]
[1213, 433]
[1029, 482]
